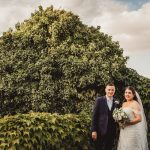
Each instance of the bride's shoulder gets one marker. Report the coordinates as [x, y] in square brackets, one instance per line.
[136, 105]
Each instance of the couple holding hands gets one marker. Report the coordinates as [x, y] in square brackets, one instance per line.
[133, 136]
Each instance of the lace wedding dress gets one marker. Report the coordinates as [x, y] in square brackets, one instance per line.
[132, 137]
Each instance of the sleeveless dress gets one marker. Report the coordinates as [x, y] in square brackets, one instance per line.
[131, 137]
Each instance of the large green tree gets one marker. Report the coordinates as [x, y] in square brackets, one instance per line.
[53, 62]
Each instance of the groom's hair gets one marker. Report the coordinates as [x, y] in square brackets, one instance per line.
[133, 91]
[110, 84]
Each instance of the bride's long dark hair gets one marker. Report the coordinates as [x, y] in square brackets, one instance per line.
[133, 91]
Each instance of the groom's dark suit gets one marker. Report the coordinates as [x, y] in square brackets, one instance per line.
[104, 124]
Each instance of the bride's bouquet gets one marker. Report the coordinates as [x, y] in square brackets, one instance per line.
[120, 116]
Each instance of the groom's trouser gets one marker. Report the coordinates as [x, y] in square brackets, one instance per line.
[105, 142]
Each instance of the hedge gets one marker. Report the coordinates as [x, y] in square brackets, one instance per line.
[44, 131]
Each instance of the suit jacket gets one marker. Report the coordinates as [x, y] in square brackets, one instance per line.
[100, 115]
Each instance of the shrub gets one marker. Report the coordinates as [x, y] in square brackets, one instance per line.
[44, 131]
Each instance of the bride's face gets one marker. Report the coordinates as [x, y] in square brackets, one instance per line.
[128, 95]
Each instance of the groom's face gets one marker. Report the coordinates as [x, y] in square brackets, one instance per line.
[110, 91]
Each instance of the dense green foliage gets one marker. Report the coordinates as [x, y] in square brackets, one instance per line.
[43, 131]
[54, 63]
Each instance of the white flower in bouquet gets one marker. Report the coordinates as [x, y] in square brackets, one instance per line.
[120, 116]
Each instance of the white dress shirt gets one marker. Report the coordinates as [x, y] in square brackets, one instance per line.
[109, 102]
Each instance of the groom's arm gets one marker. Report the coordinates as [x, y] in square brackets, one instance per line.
[95, 115]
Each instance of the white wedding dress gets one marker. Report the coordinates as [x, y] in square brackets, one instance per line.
[132, 137]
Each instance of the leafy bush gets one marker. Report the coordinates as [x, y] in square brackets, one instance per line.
[54, 63]
[43, 131]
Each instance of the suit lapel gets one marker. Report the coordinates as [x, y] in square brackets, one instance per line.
[113, 105]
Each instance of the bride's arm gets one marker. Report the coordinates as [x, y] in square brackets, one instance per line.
[136, 120]
[137, 114]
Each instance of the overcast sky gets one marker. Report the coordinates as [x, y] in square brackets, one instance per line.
[127, 21]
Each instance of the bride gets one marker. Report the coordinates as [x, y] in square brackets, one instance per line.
[134, 135]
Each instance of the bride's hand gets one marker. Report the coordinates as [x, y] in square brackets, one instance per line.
[126, 124]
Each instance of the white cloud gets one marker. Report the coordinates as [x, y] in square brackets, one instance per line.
[140, 62]
[130, 28]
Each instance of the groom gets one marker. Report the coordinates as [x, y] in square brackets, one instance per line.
[103, 124]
